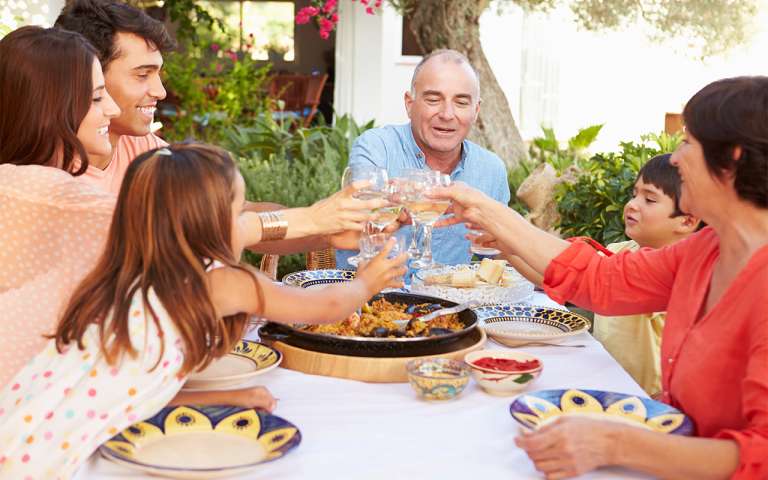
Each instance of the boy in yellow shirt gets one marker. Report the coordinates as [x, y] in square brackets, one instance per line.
[652, 219]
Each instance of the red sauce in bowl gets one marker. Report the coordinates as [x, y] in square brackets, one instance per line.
[506, 364]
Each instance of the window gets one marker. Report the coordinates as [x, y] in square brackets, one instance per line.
[263, 27]
[410, 45]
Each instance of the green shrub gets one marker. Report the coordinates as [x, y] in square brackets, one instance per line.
[292, 166]
[593, 206]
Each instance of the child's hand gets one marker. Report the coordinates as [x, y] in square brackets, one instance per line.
[254, 397]
[382, 272]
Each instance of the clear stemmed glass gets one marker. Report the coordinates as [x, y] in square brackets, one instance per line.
[426, 210]
[378, 187]
[407, 191]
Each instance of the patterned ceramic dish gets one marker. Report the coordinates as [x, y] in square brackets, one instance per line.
[520, 289]
[437, 378]
[318, 278]
[500, 382]
[202, 442]
[518, 324]
[535, 409]
[247, 360]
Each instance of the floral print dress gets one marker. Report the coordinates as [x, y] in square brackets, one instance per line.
[59, 408]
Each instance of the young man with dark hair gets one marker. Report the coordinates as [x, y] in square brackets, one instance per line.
[130, 45]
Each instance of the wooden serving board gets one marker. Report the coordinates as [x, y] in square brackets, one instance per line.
[366, 369]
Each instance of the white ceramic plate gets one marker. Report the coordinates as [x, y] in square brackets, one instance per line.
[518, 324]
[246, 361]
[202, 442]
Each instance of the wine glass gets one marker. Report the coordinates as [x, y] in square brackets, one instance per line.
[426, 210]
[378, 187]
[480, 251]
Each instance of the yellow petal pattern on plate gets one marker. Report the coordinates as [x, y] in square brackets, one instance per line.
[141, 433]
[262, 355]
[576, 401]
[124, 448]
[665, 423]
[186, 419]
[530, 421]
[244, 423]
[277, 438]
[542, 408]
[631, 408]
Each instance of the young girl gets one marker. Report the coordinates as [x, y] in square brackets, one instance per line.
[153, 310]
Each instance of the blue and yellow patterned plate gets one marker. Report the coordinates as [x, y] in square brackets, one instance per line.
[516, 324]
[535, 409]
[247, 360]
[318, 278]
[202, 442]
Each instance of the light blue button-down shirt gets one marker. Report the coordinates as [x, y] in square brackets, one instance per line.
[394, 149]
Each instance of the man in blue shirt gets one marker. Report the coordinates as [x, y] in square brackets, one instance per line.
[442, 104]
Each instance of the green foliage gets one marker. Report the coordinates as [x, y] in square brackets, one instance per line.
[4, 30]
[291, 165]
[547, 148]
[707, 27]
[593, 206]
[191, 19]
[216, 90]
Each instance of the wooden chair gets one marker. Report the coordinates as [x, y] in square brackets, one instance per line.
[301, 94]
[316, 260]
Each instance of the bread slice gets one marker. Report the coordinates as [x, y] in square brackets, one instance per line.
[491, 270]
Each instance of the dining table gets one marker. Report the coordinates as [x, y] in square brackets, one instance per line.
[383, 431]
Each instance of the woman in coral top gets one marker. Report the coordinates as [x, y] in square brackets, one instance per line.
[713, 285]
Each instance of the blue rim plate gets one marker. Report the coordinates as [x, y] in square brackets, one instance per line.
[235, 440]
[518, 323]
[534, 409]
[247, 360]
[313, 278]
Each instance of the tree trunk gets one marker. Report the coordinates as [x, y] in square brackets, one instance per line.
[455, 24]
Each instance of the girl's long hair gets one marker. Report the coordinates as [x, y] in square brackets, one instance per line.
[173, 219]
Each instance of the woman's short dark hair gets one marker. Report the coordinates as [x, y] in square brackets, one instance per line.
[100, 20]
[46, 85]
[731, 113]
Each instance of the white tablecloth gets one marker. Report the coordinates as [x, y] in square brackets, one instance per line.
[364, 431]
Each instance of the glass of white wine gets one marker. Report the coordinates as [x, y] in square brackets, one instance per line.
[426, 210]
[378, 187]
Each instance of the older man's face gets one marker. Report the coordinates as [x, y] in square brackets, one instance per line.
[444, 106]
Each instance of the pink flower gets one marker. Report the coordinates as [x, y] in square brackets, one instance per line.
[326, 24]
[330, 5]
[219, 68]
[369, 10]
[378, 3]
[215, 47]
[305, 14]
[324, 34]
[335, 18]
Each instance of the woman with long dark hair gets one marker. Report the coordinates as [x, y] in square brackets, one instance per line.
[54, 112]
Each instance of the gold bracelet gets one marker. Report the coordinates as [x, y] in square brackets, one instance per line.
[274, 226]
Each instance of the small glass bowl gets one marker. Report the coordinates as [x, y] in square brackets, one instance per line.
[438, 378]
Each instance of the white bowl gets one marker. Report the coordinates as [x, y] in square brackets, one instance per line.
[499, 382]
